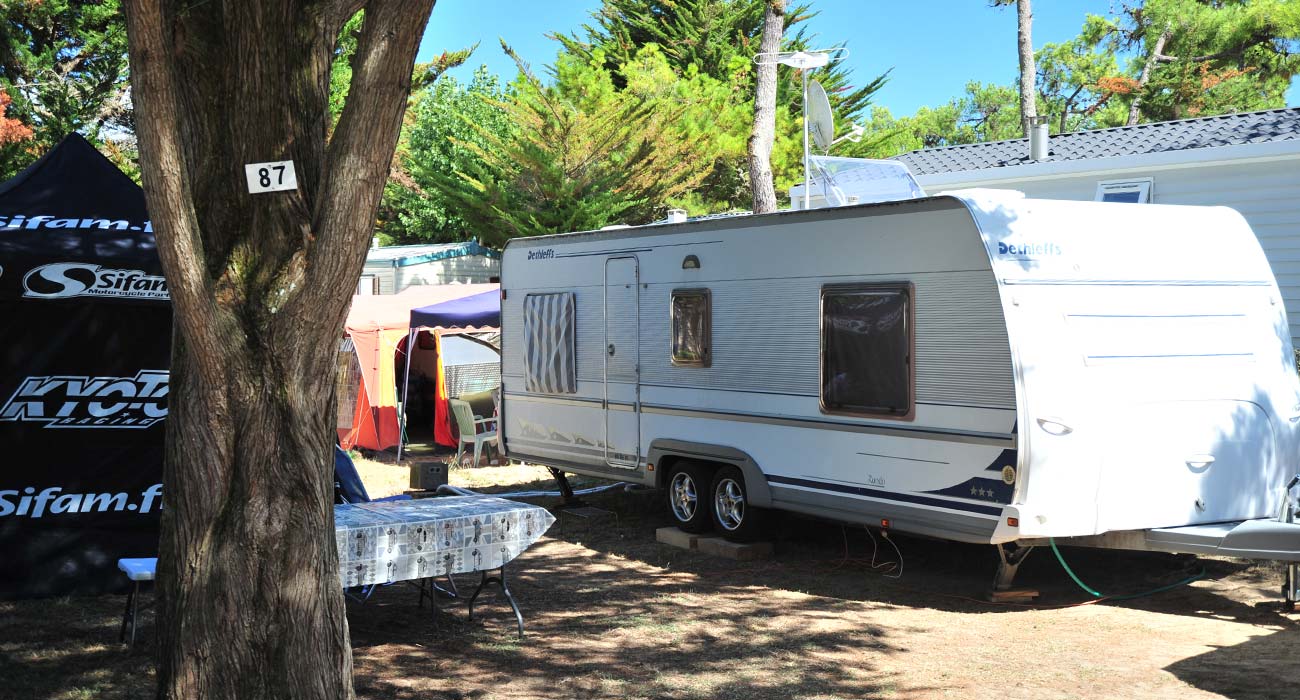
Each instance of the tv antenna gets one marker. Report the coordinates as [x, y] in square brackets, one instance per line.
[806, 61]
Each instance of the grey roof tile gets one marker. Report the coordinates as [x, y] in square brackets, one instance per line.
[1159, 137]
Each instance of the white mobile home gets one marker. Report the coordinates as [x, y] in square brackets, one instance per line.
[390, 269]
[1249, 162]
[983, 367]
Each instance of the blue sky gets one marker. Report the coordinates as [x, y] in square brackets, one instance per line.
[934, 47]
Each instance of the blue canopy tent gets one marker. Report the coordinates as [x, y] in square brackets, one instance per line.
[477, 312]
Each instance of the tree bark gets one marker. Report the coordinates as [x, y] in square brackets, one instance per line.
[1134, 108]
[763, 136]
[250, 604]
[1025, 42]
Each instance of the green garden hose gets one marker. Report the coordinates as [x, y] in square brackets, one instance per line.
[1097, 594]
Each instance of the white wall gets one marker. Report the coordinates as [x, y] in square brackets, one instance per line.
[465, 269]
[1265, 191]
[384, 272]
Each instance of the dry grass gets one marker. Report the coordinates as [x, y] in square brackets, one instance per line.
[388, 479]
[612, 614]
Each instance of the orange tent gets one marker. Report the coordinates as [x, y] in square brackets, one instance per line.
[378, 326]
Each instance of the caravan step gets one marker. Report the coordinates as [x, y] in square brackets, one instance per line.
[1250, 539]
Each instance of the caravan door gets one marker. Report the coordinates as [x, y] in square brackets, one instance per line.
[622, 373]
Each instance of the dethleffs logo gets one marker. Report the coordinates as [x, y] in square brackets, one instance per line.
[543, 254]
[75, 279]
[90, 402]
[1028, 249]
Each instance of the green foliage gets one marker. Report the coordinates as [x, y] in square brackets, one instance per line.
[1220, 55]
[1076, 88]
[698, 35]
[423, 76]
[717, 39]
[580, 154]
[64, 65]
[449, 126]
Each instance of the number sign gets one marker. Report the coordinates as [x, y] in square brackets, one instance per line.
[271, 177]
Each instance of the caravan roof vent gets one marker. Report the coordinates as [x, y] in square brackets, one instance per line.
[842, 181]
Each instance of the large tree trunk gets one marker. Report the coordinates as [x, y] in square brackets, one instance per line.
[1025, 42]
[764, 133]
[249, 599]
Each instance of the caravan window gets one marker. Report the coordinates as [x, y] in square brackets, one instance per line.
[692, 327]
[867, 349]
[550, 355]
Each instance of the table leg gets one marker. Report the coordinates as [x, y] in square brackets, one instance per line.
[500, 580]
[128, 614]
[430, 589]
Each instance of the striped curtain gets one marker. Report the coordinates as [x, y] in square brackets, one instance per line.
[551, 357]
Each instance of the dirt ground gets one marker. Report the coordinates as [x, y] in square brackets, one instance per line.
[610, 613]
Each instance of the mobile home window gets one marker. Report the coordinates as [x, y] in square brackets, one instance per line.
[866, 349]
[550, 355]
[692, 327]
[368, 284]
[1131, 191]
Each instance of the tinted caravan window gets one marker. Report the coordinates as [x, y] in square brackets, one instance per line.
[692, 332]
[550, 355]
[866, 349]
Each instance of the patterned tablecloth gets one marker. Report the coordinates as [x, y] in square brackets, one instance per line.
[404, 540]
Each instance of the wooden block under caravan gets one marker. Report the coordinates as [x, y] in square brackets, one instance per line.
[1014, 595]
[740, 551]
[676, 538]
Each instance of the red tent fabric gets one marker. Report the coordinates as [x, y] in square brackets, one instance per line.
[378, 325]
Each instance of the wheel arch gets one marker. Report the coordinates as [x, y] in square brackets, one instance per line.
[664, 453]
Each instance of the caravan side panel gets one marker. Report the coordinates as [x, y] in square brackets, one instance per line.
[941, 471]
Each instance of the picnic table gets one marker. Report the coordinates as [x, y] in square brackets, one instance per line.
[418, 540]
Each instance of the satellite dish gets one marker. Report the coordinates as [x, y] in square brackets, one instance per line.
[821, 121]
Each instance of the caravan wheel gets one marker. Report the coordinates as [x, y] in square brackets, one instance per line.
[733, 517]
[688, 501]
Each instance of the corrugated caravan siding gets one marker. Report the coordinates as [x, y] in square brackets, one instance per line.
[766, 337]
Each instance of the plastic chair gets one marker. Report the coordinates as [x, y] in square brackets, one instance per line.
[496, 416]
[467, 424]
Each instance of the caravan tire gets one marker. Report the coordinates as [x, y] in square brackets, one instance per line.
[688, 500]
[733, 517]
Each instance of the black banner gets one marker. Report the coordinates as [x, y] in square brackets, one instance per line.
[85, 339]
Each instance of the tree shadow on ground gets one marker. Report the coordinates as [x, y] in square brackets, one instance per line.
[1251, 670]
[850, 563]
[68, 648]
[603, 626]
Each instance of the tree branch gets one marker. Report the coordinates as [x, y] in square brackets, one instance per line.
[1134, 107]
[342, 11]
[367, 129]
[167, 188]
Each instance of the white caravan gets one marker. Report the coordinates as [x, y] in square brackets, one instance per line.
[979, 367]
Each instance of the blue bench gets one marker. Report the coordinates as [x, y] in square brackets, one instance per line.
[137, 570]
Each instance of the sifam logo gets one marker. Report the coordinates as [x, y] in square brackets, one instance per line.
[73, 279]
[90, 402]
[1028, 249]
[544, 254]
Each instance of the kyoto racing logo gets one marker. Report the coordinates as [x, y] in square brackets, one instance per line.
[90, 402]
[72, 279]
